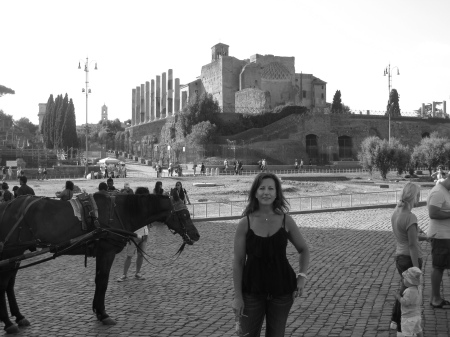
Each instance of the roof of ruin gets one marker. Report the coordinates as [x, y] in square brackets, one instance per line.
[275, 71]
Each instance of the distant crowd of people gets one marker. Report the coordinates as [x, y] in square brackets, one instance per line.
[113, 171]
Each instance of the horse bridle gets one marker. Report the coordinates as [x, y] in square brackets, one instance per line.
[184, 233]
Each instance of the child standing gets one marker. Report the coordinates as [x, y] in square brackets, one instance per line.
[410, 302]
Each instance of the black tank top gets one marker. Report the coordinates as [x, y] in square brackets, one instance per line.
[267, 269]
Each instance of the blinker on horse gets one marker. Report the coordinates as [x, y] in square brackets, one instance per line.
[30, 222]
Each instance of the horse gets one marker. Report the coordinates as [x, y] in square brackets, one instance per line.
[30, 223]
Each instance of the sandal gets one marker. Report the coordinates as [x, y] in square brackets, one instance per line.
[441, 305]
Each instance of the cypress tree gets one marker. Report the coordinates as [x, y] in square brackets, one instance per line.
[60, 120]
[48, 123]
[336, 106]
[53, 118]
[69, 133]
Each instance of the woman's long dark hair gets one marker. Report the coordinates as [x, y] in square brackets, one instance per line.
[280, 204]
[181, 191]
[158, 188]
[69, 185]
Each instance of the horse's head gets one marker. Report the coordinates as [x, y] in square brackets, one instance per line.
[179, 221]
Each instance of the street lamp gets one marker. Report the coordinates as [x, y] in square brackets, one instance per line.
[87, 90]
[388, 72]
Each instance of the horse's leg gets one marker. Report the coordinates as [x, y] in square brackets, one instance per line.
[105, 258]
[10, 327]
[20, 319]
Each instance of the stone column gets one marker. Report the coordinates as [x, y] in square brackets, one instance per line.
[163, 96]
[170, 93]
[177, 95]
[138, 106]
[158, 97]
[133, 106]
[142, 114]
[147, 101]
[423, 110]
[444, 107]
[152, 100]
[433, 109]
[183, 99]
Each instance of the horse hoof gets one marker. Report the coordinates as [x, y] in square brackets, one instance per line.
[23, 322]
[109, 321]
[12, 329]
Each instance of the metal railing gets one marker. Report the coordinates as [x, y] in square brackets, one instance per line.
[235, 208]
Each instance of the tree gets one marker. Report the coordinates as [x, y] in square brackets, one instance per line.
[382, 155]
[366, 155]
[202, 133]
[25, 124]
[47, 124]
[432, 152]
[59, 122]
[402, 156]
[393, 107]
[336, 106]
[69, 133]
[5, 90]
[203, 108]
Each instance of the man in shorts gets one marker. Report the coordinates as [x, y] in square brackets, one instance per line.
[438, 203]
[141, 241]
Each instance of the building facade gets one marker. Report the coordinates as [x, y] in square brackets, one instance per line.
[259, 83]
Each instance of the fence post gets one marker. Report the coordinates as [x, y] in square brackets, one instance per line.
[219, 209]
[351, 200]
[310, 203]
[232, 209]
[206, 209]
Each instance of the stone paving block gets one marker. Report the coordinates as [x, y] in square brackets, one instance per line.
[348, 293]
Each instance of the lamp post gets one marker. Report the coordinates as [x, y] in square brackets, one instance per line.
[86, 90]
[389, 74]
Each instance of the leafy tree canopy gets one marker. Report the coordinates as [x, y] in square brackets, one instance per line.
[5, 90]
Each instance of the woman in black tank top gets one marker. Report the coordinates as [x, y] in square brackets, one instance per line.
[265, 283]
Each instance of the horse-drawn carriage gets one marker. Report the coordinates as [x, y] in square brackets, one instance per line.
[43, 225]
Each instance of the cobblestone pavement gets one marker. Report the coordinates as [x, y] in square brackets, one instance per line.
[348, 293]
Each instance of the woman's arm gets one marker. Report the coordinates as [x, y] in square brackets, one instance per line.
[413, 244]
[238, 264]
[296, 238]
[187, 198]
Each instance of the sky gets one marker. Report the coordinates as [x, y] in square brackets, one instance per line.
[346, 43]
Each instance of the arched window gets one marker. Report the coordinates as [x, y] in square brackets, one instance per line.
[311, 146]
[345, 147]
[426, 135]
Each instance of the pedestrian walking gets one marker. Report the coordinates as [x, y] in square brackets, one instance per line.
[265, 284]
[202, 169]
[438, 204]
[10, 173]
[39, 173]
[411, 299]
[141, 241]
[301, 164]
[296, 164]
[44, 172]
[406, 231]
[194, 167]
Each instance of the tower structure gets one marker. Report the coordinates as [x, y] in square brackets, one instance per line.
[104, 113]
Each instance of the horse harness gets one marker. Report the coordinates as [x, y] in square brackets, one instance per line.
[119, 236]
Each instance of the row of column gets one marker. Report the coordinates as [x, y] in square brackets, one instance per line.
[149, 104]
